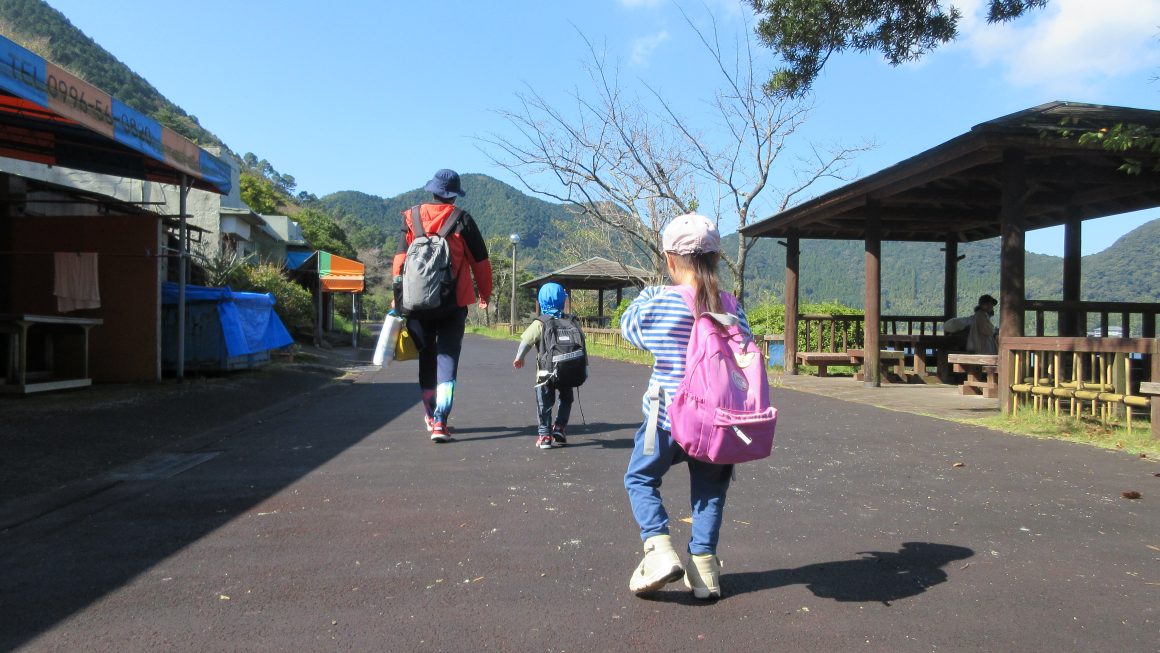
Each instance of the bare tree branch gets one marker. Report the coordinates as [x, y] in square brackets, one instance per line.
[626, 171]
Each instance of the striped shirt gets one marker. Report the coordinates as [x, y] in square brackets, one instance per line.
[659, 321]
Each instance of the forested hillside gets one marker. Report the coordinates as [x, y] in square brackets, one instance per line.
[499, 209]
[1129, 270]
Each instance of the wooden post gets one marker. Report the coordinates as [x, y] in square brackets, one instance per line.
[600, 302]
[792, 263]
[1012, 258]
[1069, 321]
[1154, 401]
[951, 279]
[871, 363]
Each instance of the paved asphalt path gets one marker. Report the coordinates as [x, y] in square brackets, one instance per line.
[330, 522]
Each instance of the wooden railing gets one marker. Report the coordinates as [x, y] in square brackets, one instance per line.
[1092, 377]
[1125, 319]
[829, 333]
[911, 325]
[608, 338]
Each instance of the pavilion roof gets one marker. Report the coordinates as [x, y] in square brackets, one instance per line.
[953, 191]
[595, 273]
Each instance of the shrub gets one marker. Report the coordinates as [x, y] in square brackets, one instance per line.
[292, 302]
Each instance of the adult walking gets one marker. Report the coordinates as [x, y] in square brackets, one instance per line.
[438, 332]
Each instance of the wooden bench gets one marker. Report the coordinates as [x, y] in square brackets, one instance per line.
[891, 364]
[823, 359]
[982, 372]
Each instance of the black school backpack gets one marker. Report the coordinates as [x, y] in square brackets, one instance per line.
[428, 286]
[562, 353]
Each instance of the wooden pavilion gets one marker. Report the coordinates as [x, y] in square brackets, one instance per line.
[599, 274]
[1005, 176]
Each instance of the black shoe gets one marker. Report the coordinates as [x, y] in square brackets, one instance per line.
[558, 438]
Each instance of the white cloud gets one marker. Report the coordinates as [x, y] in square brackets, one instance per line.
[643, 47]
[1070, 47]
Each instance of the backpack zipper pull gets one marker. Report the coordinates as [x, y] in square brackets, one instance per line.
[744, 438]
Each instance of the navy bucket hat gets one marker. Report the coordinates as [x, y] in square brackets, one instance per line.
[445, 184]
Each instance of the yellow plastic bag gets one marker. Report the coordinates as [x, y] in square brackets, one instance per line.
[405, 349]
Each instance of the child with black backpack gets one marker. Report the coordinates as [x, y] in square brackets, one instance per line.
[561, 363]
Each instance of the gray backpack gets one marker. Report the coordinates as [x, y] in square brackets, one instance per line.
[428, 286]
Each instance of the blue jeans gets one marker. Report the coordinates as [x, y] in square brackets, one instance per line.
[708, 484]
[545, 399]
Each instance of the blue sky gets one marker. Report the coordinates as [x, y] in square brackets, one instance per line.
[375, 96]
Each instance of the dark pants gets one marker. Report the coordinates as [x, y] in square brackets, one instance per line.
[545, 399]
[439, 341]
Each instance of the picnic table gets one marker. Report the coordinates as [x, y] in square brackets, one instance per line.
[926, 350]
[982, 372]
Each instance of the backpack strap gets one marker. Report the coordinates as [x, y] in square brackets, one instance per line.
[449, 224]
[654, 413]
[417, 222]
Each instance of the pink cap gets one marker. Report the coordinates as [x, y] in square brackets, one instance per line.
[691, 234]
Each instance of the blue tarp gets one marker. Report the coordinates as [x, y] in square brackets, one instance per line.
[249, 323]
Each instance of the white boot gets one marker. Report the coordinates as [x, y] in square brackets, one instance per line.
[661, 565]
[704, 576]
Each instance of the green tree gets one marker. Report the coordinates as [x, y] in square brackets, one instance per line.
[806, 32]
[259, 193]
[322, 232]
[1125, 139]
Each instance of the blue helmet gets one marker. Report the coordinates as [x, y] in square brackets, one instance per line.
[551, 298]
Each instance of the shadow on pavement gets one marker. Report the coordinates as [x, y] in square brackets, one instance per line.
[879, 576]
[66, 560]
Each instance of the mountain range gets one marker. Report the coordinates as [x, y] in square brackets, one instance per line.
[912, 273]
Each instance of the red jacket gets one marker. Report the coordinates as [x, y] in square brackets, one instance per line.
[468, 251]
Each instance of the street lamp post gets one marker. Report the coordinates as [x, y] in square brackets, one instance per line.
[515, 238]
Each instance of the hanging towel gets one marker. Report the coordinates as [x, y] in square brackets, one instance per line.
[75, 282]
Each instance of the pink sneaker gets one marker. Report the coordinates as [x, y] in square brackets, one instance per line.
[439, 433]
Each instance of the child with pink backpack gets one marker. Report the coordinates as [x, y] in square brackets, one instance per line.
[711, 415]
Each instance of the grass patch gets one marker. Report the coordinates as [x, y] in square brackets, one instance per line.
[594, 349]
[1086, 431]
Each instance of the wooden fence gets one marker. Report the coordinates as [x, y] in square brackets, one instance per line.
[1091, 377]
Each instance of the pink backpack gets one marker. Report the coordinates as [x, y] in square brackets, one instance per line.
[720, 412]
